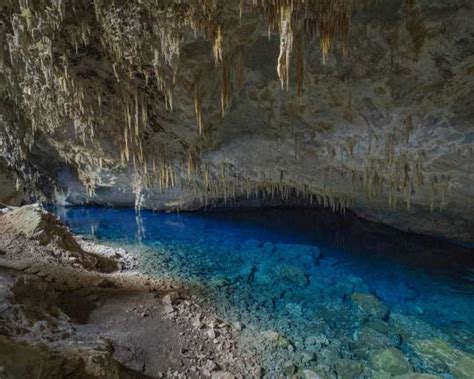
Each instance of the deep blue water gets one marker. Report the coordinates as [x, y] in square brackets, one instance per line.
[295, 271]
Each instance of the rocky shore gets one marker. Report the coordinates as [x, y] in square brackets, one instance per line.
[70, 307]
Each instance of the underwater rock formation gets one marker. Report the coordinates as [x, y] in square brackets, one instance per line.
[364, 105]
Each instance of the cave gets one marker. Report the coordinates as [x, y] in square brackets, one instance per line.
[237, 189]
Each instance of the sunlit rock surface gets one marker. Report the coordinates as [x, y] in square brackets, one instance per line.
[181, 105]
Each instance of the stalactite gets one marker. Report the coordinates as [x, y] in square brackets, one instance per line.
[218, 46]
[286, 45]
[198, 106]
[226, 87]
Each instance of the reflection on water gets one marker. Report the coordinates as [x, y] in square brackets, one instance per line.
[301, 273]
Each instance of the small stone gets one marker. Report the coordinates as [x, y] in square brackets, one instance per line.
[169, 298]
[390, 360]
[307, 357]
[320, 341]
[211, 333]
[257, 372]
[237, 326]
[197, 323]
[283, 342]
[270, 335]
[211, 365]
[289, 369]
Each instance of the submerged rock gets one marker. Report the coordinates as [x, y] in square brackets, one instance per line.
[316, 341]
[293, 274]
[348, 368]
[306, 254]
[391, 361]
[368, 306]
[368, 338]
[316, 373]
[294, 309]
[289, 369]
[439, 355]
[417, 376]
[412, 328]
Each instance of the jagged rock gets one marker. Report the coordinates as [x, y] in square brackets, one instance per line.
[35, 223]
[9, 194]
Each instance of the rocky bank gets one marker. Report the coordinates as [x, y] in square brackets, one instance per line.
[71, 308]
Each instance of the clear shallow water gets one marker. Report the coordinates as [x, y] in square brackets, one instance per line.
[296, 271]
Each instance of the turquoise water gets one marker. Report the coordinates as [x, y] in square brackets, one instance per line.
[296, 272]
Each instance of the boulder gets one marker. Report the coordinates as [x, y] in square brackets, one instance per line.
[348, 368]
[293, 275]
[439, 355]
[37, 224]
[391, 361]
[367, 306]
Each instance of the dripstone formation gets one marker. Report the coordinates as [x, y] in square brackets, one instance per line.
[362, 105]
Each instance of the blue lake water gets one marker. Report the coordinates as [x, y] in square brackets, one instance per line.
[296, 272]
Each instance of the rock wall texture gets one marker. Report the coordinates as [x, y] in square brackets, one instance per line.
[9, 194]
[366, 105]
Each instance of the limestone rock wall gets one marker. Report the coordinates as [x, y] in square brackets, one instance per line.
[183, 105]
[9, 194]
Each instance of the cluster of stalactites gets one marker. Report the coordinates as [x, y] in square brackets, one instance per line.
[57, 96]
[299, 20]
[50, 95]
[223, 182]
